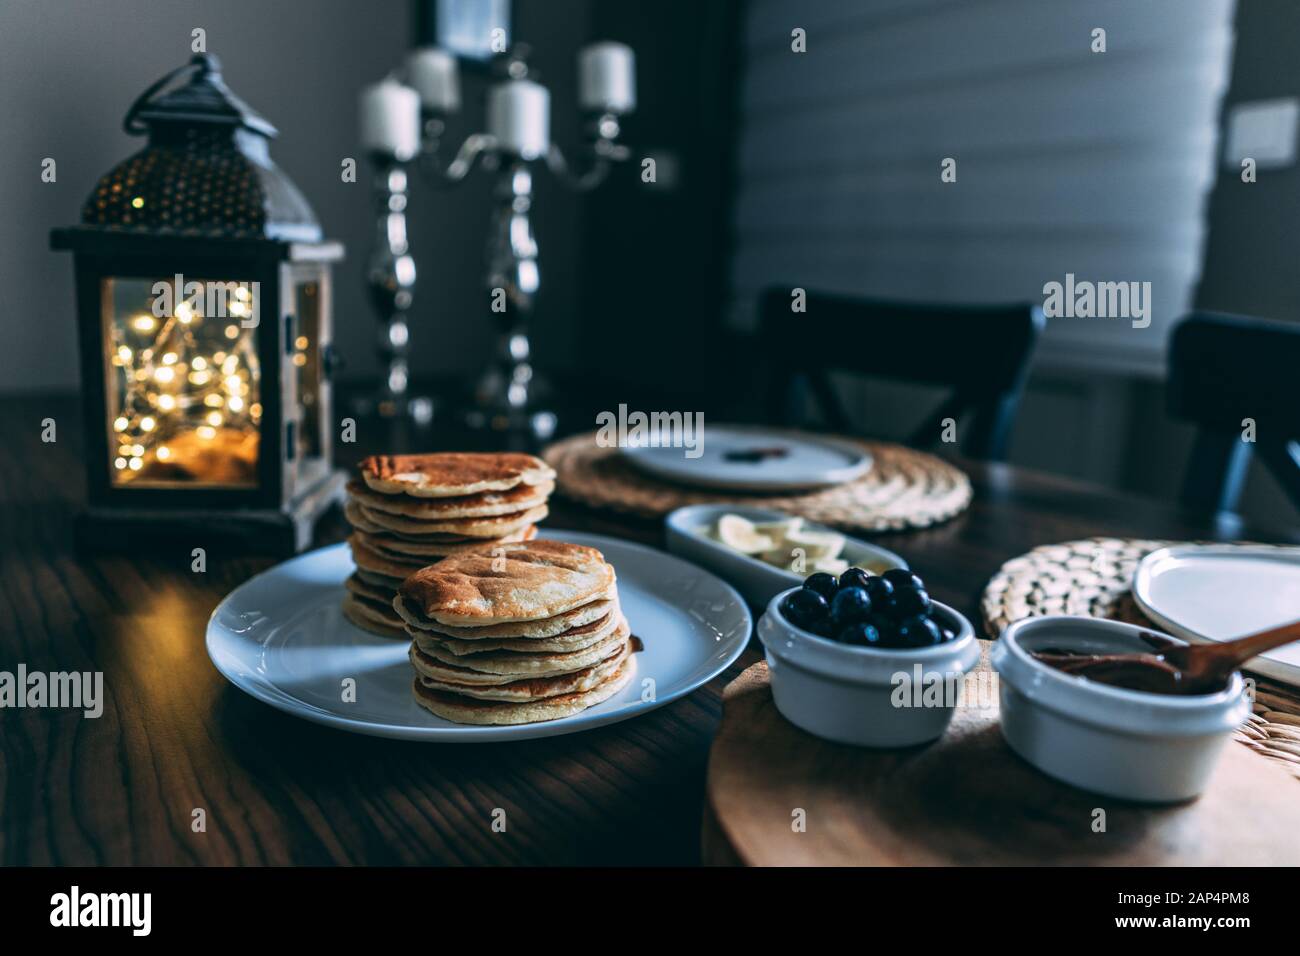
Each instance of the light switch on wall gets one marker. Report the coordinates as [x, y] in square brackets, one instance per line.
[1263, 130]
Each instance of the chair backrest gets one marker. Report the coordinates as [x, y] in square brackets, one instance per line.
[981, 352]
[1236, 378]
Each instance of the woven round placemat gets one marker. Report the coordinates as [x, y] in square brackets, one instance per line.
[903, 488]
[1092, 577]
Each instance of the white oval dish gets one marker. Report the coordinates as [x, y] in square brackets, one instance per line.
[1153, 748]
[809, 460]
[686, 532]
[863, 696]
[282, 638]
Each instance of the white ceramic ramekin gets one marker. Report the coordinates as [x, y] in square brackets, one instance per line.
[866, 696]
[1154, 748]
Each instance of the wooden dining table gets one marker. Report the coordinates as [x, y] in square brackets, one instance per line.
[175, 737]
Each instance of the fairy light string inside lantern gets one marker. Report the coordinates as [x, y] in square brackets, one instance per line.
[189, 385]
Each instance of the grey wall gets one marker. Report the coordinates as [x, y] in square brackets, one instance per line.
[69, 69]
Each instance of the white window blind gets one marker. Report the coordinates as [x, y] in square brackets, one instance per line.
[1067, 160]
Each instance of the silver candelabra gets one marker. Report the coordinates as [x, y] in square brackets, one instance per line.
[514, 146]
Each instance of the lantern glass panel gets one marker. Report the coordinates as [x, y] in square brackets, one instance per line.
[183, 382]
[307, 365]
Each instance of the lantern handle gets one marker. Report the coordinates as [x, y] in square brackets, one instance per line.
[200, 61]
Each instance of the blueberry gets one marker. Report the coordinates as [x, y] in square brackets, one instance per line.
[823, 583]
[919, 632]
[879, 589]
[805, 608]
[850, 606]
[902, 578]
[854, 578]
[862, 635]
[908, 603]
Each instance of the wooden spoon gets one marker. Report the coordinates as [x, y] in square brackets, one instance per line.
[1171, 668]
[1206, 667]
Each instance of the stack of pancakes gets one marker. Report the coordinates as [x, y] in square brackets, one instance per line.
[531, 633]
[410, 511]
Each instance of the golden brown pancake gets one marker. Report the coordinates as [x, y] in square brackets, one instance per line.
[352, 511]
[514, 582]
[451, 474]
[494, 527]
[363, 615]
[574, 639]
[368, 560]
[395, 549]
[485, 504]
[467, 710]
[502, 667]
[535, 688]
[541, 628]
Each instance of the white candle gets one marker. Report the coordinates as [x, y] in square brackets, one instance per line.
[390, 119]
[431, 71]
[519, 117]
[607, 78]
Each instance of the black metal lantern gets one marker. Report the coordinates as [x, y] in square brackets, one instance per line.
[203, 301]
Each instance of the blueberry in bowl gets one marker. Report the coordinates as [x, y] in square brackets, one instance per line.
[842, 669]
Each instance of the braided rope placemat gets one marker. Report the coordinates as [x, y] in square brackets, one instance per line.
[1092, 577]
[903, 488]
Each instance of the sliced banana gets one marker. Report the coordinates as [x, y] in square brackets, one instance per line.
[739, 533]
[836, 566]
[816, 545]
[778, 531]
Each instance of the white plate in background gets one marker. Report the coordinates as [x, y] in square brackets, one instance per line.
[807, 461]
[282, 638]
[1216, 592]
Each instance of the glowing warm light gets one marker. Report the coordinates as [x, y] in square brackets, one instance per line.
[235, 404]
[299, 359]
[300, 342]
[232, 331]
[214, 418]
[164, 374]
[255, 409]
[164, 452]
[119, 463]
[166, 402]
[137, 202]
[136, 464]
[199, 378]
[124, 353]
[147, 423]
[207, 431]
[137, 450]
[199, 363]
[242, 293]
[169, 358]
[144, 323]
[212, 400]
[120, 424]
[185, 313]
[233, 383]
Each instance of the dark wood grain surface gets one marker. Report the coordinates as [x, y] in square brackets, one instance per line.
[175, 737]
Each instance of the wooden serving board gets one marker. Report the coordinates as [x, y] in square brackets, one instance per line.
[965, 800]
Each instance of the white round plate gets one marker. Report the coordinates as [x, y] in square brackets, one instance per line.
[807, 461]
[282, 638]
[1217, 592]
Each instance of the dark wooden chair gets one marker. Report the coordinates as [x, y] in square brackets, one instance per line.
[1226, 371]
[980, 352]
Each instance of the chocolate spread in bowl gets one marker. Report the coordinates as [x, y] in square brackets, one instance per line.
[1148, 672]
